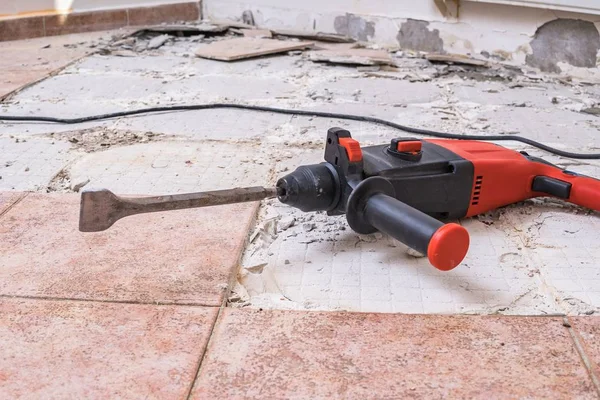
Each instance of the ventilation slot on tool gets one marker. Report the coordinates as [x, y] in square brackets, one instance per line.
[477, 190]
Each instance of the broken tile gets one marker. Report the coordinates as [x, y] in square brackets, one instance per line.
[311, 35]
[258, 33]
[246, 47]
[27, 61]
[65, 349]
[177, 30]
[277, 354]
[176, 257]
[456, 59]
[351, 56]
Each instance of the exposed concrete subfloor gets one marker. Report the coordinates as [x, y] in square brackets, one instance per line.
[534, 259]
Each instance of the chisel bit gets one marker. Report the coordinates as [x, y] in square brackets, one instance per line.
[101, 208]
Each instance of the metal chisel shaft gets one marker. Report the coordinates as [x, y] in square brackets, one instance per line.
[100, 209]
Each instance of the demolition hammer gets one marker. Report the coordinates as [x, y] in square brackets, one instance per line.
[408, 189]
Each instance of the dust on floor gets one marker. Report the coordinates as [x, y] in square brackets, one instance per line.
[533, 258]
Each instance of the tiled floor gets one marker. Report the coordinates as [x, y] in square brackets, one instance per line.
[24, 62]
[108, 344]
[141, 310]
[327, 268]
[70, 349]
[188, 258]
[307, 355]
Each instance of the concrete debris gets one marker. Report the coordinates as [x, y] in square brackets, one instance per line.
[351, 57]
[575, 306]
[583, 105]
[456, 59]
[591, 110]
[157, 42]
[76, 187]
[323, 37]
[374, 68]
[239, 296]
[336, 46]
[257, 33]
[256, 269]
[182, 30]
[61, 182]
[124, 53]
[101, 138]
[490, 217]
[287, 222]
[247, 47]
[414, 253]
[309, 226]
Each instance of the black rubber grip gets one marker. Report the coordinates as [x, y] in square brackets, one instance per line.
[401, 221]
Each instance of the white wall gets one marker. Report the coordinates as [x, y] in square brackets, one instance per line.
[479, 26]
[20, 7]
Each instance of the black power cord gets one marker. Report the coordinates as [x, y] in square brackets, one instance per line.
[320, 114]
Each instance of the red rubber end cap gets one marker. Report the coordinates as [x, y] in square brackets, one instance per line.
[448, 247]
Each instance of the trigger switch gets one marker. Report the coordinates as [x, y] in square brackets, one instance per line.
[551, 186]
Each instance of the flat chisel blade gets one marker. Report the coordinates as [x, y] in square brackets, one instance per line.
[100, 208]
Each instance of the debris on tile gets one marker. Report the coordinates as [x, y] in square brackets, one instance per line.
[414, 253]
[246, 47]
[456, 59]
[287, 222]
[309, 226]
[128, 42]
[157, 42]
[239, 296]
[591, 110]
[61, 182]
[336, 46]
[583, 105]
[490, 217]
[182, 30]
[256, 269]
[124, 53]
[257, 33]
[323, 37]
[373, 68]
[575, 306]
[76, 187]
[351, 57]
[101, 138]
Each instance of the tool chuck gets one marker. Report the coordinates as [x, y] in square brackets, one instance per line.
[309, 188]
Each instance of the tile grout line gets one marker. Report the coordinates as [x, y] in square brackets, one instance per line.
[216, 321]
[582, 354]
[252, 224]
[147, 303]
[10, 207]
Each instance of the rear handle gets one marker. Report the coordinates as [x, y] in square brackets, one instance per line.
[578, 189]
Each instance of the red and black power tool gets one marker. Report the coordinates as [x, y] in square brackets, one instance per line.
[406, 189]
